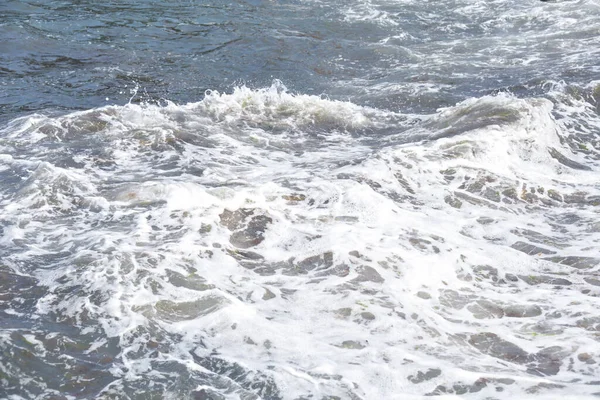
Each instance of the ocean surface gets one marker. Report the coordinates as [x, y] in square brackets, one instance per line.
[299, 199]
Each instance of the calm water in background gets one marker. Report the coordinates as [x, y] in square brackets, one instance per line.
[75, 55]
[299, 199]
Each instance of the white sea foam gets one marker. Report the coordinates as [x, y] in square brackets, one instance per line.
[366, 11]
[259, 236]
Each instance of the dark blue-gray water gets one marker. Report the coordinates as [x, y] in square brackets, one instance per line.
[310, 199]
[68, 55]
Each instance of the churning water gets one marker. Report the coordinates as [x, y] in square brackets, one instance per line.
[299, 199]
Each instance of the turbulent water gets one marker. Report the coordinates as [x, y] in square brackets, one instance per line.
[299, 199]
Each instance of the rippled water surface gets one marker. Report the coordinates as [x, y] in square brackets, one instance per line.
[359, 199]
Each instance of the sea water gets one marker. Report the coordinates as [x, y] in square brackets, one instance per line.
[299, 199]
